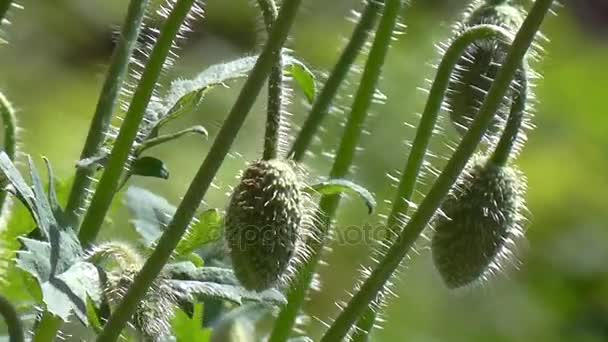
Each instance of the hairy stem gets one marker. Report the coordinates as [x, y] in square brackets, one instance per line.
[9, 123]
[110, 179]
[199, 186]
[508, 140]
[106, 105]
[11, 318]
[275, 89]
[424, 133]
[391, 260]
[342, 163]
[327, 95]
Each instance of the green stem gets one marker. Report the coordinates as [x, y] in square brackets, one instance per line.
[5, 5]
[11, 318]
[9, 121]
[161, 139]
[106, 105]
[199, 186]
[344, 158]
[508, 140]
[321, 106]
[110, 179]
[382, 273]
[275, 89]
[424, 132]
[47, 327]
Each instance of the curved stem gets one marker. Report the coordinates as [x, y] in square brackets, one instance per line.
[9, 123]
[199, 186]
[15, 328]
[110, 179]
[508, 139]
[321, 106]
[275, 89]
[106, 106]
[382, 273]
[424, 132]
[342, 163]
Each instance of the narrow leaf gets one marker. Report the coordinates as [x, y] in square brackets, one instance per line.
[190, 329]
[305, 79]
[170, 137]
[338, 186]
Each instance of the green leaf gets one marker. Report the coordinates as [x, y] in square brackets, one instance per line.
[338, 186]
[305, 79]
[192, 283]
[151, 214]
[186, 329]
[149, 167]
[185, 104]
[208, 229]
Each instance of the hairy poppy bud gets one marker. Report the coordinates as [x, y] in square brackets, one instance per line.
[478, 67]
[482, 217]
[263, 222]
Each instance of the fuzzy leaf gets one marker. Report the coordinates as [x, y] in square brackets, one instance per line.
[186, 329]
[191, 283]
[208, 229]
[305, 79]
[151, 214]
[183, 105]
[150, 167]
[193, 290]
[338, 186]
[19, 187]
[64, 279]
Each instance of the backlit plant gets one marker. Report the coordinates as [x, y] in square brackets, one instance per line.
[258, 255]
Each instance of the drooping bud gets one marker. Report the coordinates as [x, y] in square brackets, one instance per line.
[478, 67]
[263, 222]
[481, 219]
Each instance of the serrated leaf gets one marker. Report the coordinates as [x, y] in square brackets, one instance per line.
[151, 214]
[304, 78]
[338, 186]
[196, 290]
[149, 167]
[186, 329]
[208, 229]
[191, 283]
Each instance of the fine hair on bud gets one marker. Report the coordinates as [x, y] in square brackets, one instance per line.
[479, 223]
[265, 223]
[154, 314]
[479, 65]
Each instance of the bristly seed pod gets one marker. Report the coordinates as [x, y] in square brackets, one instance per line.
[478, 67]
[263, 222]
[482, 217]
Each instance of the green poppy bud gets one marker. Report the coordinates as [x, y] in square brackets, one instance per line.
[478, 67]
[480, 220]
[263, 222]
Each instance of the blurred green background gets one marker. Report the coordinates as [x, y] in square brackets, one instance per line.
[54, 66]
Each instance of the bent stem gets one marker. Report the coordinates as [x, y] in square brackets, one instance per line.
[9, 123]
[424, 132]
[199, 186]
[275, 88]
[106, 106]
[382, 273]
[110, 179]
[327, 95]
[11, 318]
[344, 158]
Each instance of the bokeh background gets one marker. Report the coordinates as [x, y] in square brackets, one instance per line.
[54, 66]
